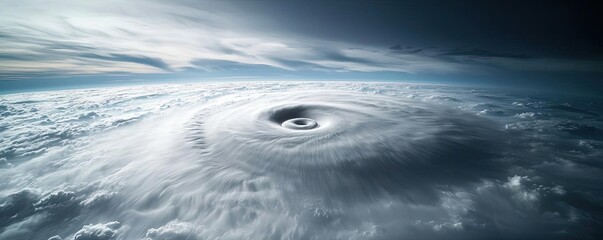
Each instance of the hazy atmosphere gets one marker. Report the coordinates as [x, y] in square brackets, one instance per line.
[189, 120]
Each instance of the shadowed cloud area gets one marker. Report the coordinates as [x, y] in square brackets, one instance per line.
[483, 53]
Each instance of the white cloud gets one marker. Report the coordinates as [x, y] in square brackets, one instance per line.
[139, 155]
[100, 231]
[174, 230]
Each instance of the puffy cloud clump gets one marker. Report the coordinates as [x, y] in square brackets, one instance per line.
[174, 230]
[100, 231]
[56, 200]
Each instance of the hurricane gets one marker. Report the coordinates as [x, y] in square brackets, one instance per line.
[286, 161]
[342, 145]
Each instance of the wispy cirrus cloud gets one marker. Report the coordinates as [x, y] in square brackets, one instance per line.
[72, 38]
[153, 62]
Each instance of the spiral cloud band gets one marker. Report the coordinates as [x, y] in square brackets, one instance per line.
[354, 146]
[262, 160]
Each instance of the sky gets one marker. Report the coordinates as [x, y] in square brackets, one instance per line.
[537, 44]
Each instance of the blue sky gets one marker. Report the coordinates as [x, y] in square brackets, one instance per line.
[66, 41]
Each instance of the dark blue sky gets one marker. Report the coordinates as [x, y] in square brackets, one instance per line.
[537, 44]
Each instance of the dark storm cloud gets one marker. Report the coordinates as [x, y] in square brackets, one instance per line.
[580, 131]
[476, 52]
[396, 47]
[547, 27]
[408, 49]
[337, 56]
[542, 42]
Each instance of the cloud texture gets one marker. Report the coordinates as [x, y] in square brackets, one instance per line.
[64, 38]
[386, 161]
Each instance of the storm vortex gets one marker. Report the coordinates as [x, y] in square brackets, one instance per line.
[300, 123]
[342, 144]
[290, 161]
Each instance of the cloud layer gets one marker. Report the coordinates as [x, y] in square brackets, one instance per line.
[387, 161]
[148, 36]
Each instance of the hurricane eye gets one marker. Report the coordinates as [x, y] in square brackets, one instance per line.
[300, 124]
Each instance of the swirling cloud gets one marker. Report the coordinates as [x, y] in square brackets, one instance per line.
[231, 161]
